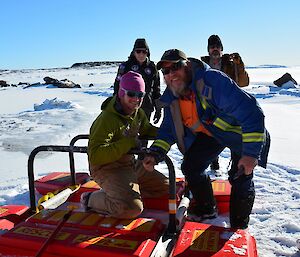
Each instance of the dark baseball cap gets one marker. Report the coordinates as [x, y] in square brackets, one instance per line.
[172, 55]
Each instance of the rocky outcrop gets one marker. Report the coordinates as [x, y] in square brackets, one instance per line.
[23, 83]
[64, 83]
[3, 83]
[93, 64]
[284, 79]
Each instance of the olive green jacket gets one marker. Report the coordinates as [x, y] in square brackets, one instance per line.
[112, 134]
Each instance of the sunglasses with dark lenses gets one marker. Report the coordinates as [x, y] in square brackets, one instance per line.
[131, 93]
[174, 67]
[214, 46]
[141, 51]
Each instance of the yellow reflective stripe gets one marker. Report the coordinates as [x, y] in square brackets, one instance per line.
[162, 144]
[203, 103]
[221, 124]
[253, 137]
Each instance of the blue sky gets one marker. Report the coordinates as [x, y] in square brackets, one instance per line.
[58, 33]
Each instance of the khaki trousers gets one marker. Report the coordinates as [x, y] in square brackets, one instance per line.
[122, 184]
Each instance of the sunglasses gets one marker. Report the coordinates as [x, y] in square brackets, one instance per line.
[141, 51]
[174, 67]
[214, 46]
[131, 93]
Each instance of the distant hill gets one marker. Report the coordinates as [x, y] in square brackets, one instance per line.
[93, 64]
[266, 66]
[110, 63]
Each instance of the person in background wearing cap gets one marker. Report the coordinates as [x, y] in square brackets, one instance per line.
[204, 112]
[139, 61]
[115, 131]
[232, 65]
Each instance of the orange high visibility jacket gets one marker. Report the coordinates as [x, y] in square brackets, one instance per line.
[190, 117]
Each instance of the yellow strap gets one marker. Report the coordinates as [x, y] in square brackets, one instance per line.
[44, 198]
[49, 195]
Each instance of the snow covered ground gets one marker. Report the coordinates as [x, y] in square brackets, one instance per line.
[33, 116]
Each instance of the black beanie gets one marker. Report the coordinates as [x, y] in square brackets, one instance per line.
[214, 40]
[141, 43]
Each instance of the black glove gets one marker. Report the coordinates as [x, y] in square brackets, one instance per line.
[157, 115]
[158, 156]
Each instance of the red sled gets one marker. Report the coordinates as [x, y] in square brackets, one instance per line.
[68, 230]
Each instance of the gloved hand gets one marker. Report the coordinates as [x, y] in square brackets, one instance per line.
[151, 159]
[157, 115]
[131, 131]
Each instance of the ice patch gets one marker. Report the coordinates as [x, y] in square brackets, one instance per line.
[239, 250]
[235, 236]
[55, 104]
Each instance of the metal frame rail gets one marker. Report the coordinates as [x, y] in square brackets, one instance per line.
[71, 156]
[71, 149]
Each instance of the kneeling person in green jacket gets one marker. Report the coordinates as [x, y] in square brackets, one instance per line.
[123, 180]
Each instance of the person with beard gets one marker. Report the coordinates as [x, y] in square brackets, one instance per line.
[231, 64]
[204, 112]
[139, 61]
[122, 179]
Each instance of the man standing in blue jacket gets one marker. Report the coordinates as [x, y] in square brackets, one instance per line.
[204, 112]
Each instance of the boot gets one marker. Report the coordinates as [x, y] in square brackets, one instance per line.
[241, 201]
[215, 164]
[234, 166]
[240, 210]
[205, 203]
[84, 200]
[206, 211]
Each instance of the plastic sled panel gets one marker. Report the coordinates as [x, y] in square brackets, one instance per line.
[27, 238]
[58, 180]
[9, 215]
[198, 239]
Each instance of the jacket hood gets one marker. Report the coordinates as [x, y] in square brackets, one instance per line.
[107, 102]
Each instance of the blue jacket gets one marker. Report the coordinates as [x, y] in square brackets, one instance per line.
[233, 116]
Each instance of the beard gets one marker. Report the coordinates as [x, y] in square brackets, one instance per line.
[178, 92]
[181, 89]
[215, 54]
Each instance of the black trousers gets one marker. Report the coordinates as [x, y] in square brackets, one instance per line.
[197, 159]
